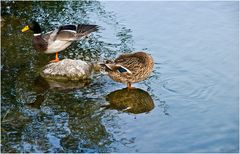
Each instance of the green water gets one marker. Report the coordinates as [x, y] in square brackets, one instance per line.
[188, 104]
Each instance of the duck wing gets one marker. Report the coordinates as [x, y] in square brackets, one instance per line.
[126, 63]
[74, 32]
[51, 36]
[130, 61]
[116, 68]
[68, 33]
[84, 29]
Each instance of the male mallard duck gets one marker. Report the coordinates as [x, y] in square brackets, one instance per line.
[58, 39]
[130, 68]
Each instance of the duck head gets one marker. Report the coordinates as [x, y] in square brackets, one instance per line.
[34, 26]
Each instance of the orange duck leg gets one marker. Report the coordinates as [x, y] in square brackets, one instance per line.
[56, 58]
[129, 86]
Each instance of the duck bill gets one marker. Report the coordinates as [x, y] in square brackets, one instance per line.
[26, 28]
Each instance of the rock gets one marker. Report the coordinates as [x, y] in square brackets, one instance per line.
[68, 69]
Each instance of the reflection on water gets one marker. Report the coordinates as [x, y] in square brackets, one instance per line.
[42, 85]
[62, 85]
[134, 100]
[195, 79]
[47, 116]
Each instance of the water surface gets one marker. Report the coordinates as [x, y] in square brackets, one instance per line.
[191, 98]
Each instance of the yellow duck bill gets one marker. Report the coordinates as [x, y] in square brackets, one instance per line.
[26, 28]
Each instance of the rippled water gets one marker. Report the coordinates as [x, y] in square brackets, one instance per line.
[188, 104]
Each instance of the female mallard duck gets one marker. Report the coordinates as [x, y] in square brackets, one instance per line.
[130, 68]
[58, 39]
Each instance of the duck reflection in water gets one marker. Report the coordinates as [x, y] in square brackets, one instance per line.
[133, 101]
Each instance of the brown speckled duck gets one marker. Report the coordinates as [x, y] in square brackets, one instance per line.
[130, 68]
[58, 39]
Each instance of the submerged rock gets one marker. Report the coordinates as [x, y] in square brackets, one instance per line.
[68, 69]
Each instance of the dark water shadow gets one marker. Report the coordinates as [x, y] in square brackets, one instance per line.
[63, 85]
[41, 86]
[48, 116]
[133, 101]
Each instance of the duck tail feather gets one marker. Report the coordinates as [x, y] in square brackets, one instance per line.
[84, 29]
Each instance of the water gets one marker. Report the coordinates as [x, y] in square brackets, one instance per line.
[190, 102]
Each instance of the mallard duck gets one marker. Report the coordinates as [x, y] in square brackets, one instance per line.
[58, 39]
[130, 68]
